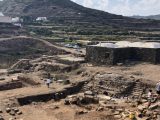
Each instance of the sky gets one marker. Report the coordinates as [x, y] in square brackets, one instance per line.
[124, 7]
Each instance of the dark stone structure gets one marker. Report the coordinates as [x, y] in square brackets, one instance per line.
[111, 56]
[11, 85]
[55, 95]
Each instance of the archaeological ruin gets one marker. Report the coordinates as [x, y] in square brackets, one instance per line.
[120, 52]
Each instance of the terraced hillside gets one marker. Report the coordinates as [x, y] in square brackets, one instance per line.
[12, 49]
[66, 11]
[8, 29]
[70, 21]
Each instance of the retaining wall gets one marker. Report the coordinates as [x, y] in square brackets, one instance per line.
[44, 97]
[11, 85]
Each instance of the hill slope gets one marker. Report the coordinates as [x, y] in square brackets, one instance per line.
[48, 8]
[67, 10]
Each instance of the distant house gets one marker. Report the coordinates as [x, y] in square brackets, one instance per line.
[5, 19]
[44, 19]
[1, 14]
[17, 21]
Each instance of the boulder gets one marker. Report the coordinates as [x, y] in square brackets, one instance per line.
[154, 106]
[1, 118]
[15, 109]
[1, 111]
[8, 110]
[19, 112]
[12, 112]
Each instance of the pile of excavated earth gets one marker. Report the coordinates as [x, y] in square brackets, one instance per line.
[79, 91]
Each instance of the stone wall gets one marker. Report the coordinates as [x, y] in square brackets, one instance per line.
[144, 54]
[99, 55]
[55, 95]
[157, 56]
[121, 55]
[110, 56]
[11, 85]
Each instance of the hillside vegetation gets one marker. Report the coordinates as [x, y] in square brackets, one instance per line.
[70, 21]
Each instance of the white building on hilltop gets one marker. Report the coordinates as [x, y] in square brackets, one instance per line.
[5, 19]
[17, 21]
[1, 14]
[44, 19]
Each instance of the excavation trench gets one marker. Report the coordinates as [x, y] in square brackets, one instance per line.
[22, 82]
[45, 97]
[11, 85]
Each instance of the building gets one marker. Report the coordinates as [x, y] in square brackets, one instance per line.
[44, 19]
[5, 19]
[1, 14]
[120, 52]
[17, 21]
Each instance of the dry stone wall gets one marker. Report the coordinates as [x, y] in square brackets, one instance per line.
[111, 56]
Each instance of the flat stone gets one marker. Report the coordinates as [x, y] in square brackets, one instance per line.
[16, 110]
[141, 107]
[144, 101]
[19, 112]
[88, 93]
[12, 112]
[119, 64]
[120, 110]
[125, 114]
[117, 116]
[104, 97]
[116, 113]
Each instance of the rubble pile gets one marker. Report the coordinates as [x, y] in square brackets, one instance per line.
[12, 112]
[114, 85]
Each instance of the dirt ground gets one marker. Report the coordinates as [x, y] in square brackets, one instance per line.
[57, 110]
[144, 70]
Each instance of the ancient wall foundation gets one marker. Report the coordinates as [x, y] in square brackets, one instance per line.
[11, 85]
[56, 95]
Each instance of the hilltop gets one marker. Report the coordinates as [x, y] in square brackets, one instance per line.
[155, 17]
[49, 8]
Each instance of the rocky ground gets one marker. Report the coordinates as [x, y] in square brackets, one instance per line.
[80, 91]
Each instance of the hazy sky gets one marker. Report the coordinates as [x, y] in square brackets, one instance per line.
[124, 7]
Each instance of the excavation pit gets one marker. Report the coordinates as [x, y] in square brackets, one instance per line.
[15, 84]
[45, 97]
[11, 85]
